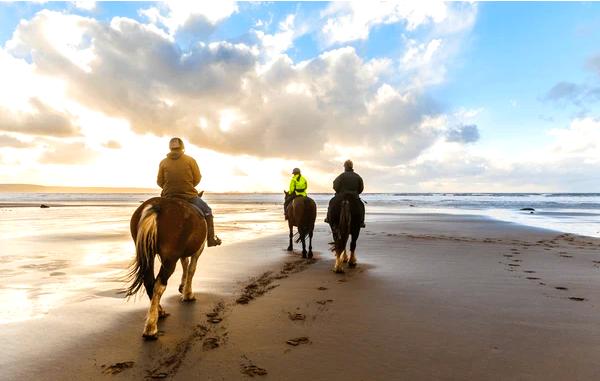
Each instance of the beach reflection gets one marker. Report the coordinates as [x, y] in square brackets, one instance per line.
[66, 254]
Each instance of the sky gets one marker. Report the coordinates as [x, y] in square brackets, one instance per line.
[422, 96]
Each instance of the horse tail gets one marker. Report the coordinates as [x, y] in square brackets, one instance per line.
[146, 247]
[344, 226]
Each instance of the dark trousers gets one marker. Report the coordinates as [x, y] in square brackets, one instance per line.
[202, 205]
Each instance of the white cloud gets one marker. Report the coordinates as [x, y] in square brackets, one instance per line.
[85, 5]
[193, 16]
[349, 21]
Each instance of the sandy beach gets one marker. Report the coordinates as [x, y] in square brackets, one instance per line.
[434, 297]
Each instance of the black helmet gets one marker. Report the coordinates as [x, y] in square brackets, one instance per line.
[296, 171]
[176, 144]
[348, 164]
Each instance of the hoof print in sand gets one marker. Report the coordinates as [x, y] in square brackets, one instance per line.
[252, 370]
[323, 302]
[561, 288]
[532, 278]
[322, 288]
[117, 368]
[296, 316]
[215, 320]
[529, 271]
[210, 343]
[577, 299]
[297, 341]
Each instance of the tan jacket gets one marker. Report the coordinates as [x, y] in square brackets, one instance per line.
[178, 175]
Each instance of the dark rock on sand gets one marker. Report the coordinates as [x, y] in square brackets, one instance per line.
[44, 206]
[528, 209]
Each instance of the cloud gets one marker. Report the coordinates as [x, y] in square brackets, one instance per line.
[67, 154]
[246, 98]
[192, 17]
[112, 144]
[85, 5]
[593, 63]
[41, 120]
[580, 95]
[463, 134]
[564, 90]
[12, 142]
[350, 21]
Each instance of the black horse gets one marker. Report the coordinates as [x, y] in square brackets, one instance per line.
[346, 216]
[302, 213]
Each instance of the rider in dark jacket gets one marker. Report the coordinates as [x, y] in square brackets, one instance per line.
[349, 182]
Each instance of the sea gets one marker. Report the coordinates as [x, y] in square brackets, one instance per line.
[80, 246]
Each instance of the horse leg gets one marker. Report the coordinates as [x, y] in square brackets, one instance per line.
[291, 246]
[352, 262]
[310, 235]
[303, 239]
[337, 268]
[184, 265]
[188, 295]
[344, 257]
[160, 284]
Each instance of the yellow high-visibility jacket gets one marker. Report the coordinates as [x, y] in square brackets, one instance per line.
[299, 185]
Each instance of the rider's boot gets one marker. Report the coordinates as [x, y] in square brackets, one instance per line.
[213, 240]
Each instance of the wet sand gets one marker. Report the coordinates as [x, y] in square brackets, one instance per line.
[433, 297]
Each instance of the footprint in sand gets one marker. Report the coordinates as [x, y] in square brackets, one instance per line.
[529, 271]
[210, 343]
[296, 316]
[577, 299]
[508, 255]
[322, 288]
[532, 278]
[297, 341]
[248, 368]
[566, 256]
[323, 302]
[117, 367]
[561, 288]
[514, 265]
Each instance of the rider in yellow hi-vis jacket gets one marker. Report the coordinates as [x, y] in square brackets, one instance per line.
[298, 187]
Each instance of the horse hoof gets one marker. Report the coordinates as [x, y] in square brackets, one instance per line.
[352, 265]
[180, 288]
[338, 271]
[304, 254]
[150, 337]
[310, 255]
[188, 299]
[290, 248]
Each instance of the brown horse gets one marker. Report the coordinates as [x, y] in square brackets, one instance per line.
[302, 213]
[174, 230]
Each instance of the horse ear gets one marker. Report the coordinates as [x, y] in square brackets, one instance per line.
[200, 194]
[285, 193]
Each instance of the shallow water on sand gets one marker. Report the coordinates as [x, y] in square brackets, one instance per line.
[65, 254]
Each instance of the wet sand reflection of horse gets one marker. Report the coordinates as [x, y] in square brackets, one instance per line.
[175, 231]
[302, 213]
[346, 220]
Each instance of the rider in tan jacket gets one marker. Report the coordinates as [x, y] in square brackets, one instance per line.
[178, 176]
